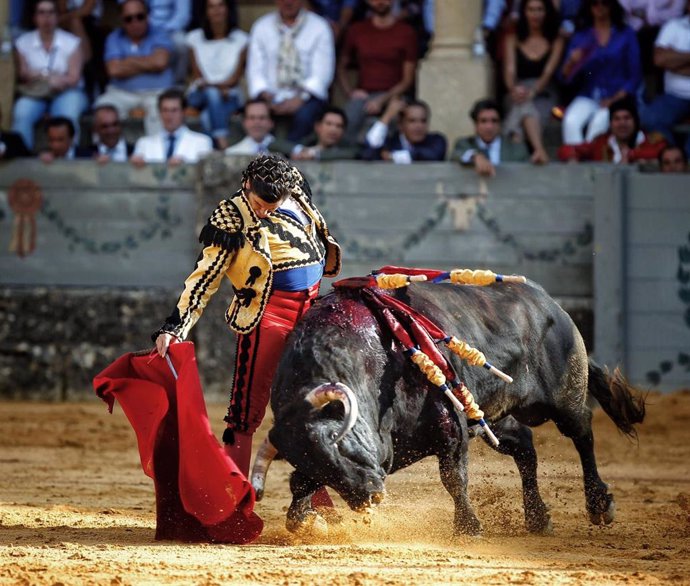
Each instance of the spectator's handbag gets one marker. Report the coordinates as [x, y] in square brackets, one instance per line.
[37, 88]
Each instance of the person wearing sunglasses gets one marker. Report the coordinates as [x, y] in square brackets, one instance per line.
[138, 62]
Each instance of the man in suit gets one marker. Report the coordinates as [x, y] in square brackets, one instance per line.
[413, 142]
[60, 132]
[176, 144]
[486, 149]
[109, 144]
[11, 144]
[258, 124]
[327, 143]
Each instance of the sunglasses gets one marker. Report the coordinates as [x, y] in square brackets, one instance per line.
[107, 125]
[132, 17]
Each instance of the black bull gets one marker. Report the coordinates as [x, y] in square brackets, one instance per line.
[403, 418]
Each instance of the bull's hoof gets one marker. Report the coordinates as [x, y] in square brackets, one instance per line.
[468, 527]
[544, 527]
[330, 515]
[537, 520]
[311, 525]
[605, 518]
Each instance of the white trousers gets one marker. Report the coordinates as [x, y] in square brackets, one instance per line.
[580, 113]
[124, 101]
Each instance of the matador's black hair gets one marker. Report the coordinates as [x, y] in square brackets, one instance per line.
[269, 177]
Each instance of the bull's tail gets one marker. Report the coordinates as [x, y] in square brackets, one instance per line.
[622, 402]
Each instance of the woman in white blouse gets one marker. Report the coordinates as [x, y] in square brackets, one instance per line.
[50, 64]
[218, 53]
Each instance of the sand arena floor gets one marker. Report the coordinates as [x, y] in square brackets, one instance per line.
[76, 508]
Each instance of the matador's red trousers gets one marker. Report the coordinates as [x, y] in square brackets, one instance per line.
[258, 354]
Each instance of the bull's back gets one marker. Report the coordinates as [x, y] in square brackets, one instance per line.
[520, 329]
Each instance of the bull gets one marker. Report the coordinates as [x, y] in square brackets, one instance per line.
[350, 408]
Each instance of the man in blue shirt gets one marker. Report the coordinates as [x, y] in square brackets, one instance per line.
[137, 60]
[173, 17]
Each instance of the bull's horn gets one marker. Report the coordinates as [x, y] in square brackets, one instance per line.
[328, 392]
[263, 460]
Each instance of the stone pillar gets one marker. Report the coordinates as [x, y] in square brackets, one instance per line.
[451, 79]
[6, 70]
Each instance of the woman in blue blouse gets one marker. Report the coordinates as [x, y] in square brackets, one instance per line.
[602, 65]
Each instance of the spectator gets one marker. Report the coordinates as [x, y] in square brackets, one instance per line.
[645, 17]
[672, 53]
[137, 59]
[60, 132]
[49, 64]
[338, 13]
[672, 159]
[328, 144]
[258, 124]
[173, 16]
[413, 142]
[602, 65]
[568, 11]
[109, 144]
[532, 55]
[176, 144]
[11, 144]
[624, 142]
[82, 18]
[290, 64]
[650, 13]
[218, 52]
[420, 15]
[385, 50]
[485, 149]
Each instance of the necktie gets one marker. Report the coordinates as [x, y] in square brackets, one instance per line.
[171, 146]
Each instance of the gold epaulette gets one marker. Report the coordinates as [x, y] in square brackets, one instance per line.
[224, 227]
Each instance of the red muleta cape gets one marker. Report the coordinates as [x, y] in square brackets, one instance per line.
[200, 493]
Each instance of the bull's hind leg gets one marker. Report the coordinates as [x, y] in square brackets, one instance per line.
[573, 418]
[600, 504]
[516, 441]
[453, 469]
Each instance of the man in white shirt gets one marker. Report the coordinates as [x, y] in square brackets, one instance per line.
[258, 124]
[176, 144]
[671, 53]
[290, 64]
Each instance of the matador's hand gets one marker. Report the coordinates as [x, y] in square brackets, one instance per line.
[163, 341]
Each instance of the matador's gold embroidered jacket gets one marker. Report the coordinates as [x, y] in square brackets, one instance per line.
[248, 250]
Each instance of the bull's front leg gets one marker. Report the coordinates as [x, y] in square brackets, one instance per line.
[453, 469]
[301, 517]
